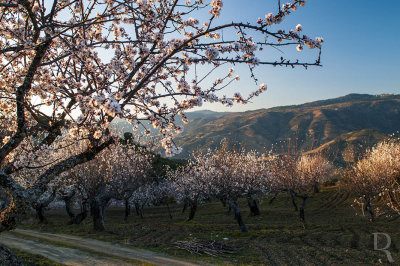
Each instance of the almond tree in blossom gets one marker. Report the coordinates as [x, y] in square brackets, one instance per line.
[153, 194]
[225, 174]
[192, 185]
[69, 65]
[299, 174]
[236, 174]
[376, 174]
[112, 174]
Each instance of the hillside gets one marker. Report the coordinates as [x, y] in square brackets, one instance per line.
[348, 147]
[360, 116]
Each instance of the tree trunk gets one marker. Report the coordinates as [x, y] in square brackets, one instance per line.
[254, 210]
[97, 211]
[193, 209]
[45, 199]
[223, 201]
[139, 209]
[302, 210]
[69, 209]
[316, 188]
[273, 198]
[40, 214]
[185, 205]
[127, 209]
[369, 209]
[293, 201]
[82, 215]
[238, 215]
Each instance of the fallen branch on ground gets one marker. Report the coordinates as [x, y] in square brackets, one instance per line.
[201, 246]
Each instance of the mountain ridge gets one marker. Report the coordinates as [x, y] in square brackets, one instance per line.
[322, 121]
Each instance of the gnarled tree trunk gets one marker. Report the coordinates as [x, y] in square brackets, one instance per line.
[369, 209]
[42, 203]
[193, 208]
[40, 214]
[254, 210]
[97, 207]
[302, 210]
[69, 208]
[82, 215]
[238, 215]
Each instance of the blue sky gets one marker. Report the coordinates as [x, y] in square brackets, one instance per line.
[360, 54]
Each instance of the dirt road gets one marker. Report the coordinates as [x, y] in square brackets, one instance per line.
[35, 242]
[63, 255]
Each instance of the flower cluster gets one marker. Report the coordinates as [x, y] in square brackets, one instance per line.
[212, 53]
[216, 7]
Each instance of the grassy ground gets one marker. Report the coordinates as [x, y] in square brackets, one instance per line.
[334, 234]
[33, 260]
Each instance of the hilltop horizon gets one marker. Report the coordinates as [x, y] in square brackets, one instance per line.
[341, 123]
[355, 96]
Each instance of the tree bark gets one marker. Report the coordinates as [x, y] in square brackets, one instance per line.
[40, 214]
[238, 215]
[139, 209]
[185, 205]
[369, 209]
[273, 198]
[302, 210]
[44, 201]
[193, 209]
[127, 209]
[69, 208]
[292, 196]
[97, 208]
[254, 210]
[82, 215]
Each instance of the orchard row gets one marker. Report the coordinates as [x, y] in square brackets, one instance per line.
[125, 172]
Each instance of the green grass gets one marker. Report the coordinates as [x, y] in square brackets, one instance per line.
[29, 259]
[333, 235]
